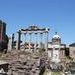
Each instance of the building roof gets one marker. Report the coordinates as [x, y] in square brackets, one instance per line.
[73, 45]
[56, 35]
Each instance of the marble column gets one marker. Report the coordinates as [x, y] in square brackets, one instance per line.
[46, 39]
[19, 40]
[30, 34]
[36, 39]
[41, 40]
[10, 44]
[12, 41]
[25, 40]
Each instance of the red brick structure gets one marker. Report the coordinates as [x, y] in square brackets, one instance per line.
[2, 30]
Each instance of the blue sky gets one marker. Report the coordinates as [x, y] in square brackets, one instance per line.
[58, 15]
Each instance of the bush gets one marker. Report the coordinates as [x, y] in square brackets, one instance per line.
[42, 71]
[41, 50]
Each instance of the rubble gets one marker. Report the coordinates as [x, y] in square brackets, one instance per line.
[25, 63]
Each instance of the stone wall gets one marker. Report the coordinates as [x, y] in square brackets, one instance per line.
[72, 52]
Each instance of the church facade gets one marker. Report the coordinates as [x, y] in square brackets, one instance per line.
[56, 50]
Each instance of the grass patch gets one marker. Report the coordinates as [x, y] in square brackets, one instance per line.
[56, 73]
[45, 73]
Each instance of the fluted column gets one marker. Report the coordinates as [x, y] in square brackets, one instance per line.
[30, 34]
[25, 40]
[19, 40]
[46, 39]
[36, 39]
[10, 44]
[12, 41]
[41, 40]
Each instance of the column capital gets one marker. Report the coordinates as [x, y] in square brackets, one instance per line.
[30, 33]
[36, 33]
[25, 33]
[46, 30]
[41, 32]
[19, 32]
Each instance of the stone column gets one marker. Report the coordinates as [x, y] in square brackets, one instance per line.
[46, 39]
[10, 44]
[36, 39]
[41, 40]
[19, 40]
[25, 40]
[12, 41]
[30, 34]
